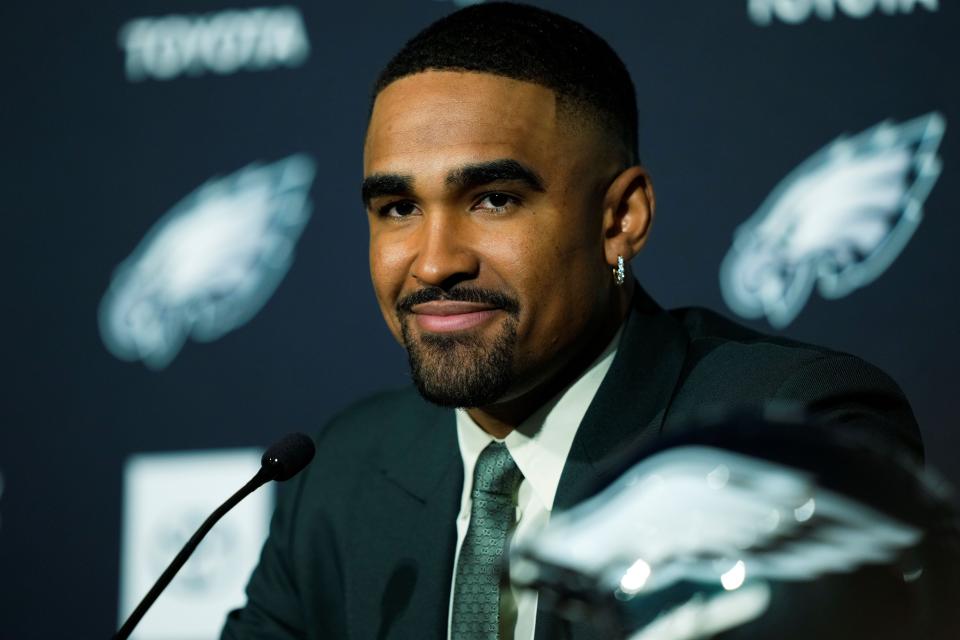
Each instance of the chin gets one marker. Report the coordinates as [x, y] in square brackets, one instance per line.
[462, 369]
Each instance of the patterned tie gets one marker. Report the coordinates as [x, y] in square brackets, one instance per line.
[476, 591]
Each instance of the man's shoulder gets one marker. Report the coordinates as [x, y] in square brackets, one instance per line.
[380, 414]
[726, 359]
[403, 400]
[362, 438]
[714, 339]
[729, 366]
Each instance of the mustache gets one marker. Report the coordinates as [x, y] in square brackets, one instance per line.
[459, 294]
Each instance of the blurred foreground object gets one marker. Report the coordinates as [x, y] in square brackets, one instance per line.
[756, 528]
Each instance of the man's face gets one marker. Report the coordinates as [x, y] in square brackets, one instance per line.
[486, 239]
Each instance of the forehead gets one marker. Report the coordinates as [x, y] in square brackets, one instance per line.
[432, 121]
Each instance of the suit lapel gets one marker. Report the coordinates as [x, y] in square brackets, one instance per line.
[432, 441]
[632, 399]
[407, 543]
[627, 410]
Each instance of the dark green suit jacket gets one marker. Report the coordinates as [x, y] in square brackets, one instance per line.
[362, 542]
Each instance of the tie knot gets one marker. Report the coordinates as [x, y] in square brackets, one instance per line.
[496, 472]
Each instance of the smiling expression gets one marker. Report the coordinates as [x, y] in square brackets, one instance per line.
[485, 205]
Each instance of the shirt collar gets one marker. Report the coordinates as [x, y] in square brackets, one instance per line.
[542, 455]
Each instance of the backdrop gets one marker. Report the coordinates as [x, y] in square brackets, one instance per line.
[186, 249]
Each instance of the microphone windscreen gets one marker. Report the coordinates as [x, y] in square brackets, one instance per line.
[290, 454]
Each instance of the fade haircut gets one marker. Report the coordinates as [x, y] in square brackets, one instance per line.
[527, 43]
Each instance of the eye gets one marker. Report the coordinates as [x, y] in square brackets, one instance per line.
[400, 209]
[497, 202]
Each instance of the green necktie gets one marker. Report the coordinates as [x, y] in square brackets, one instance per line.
[476, 591]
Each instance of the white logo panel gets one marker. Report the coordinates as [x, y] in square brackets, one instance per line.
[837, 221]
[166, 496]
[210, 264]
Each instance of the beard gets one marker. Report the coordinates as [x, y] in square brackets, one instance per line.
[461, 370]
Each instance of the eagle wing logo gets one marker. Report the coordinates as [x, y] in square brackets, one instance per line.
[209, 264]
[695, 535]
[837, 221]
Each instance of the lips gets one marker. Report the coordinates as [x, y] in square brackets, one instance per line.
[444, 316]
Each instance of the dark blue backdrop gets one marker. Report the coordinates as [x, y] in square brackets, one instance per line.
[92, 160]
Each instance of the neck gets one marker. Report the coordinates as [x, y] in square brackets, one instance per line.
[500, 419]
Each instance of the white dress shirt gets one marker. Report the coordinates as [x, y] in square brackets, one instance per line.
[539, 446]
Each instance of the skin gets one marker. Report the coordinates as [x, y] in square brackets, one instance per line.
[550, 249]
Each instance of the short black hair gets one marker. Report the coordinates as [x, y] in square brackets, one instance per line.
[534, 45]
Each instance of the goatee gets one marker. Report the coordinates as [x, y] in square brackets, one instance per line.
[465, 370]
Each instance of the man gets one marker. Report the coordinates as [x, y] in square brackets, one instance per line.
[505, 201]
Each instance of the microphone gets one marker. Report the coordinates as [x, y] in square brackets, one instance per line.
[284, 459]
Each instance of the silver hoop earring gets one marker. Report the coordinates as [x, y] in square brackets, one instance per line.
[619, 274]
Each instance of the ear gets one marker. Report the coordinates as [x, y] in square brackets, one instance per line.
[628, 207]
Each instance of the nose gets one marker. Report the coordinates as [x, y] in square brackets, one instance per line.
[444, 256]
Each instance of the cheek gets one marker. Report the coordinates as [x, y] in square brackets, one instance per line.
[554, 269]
[387, 271]
[569, 272]
[388, 260]
[513, 255]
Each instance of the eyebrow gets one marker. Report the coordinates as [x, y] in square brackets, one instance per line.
[466, 177]
[385, 184]
[503, 170]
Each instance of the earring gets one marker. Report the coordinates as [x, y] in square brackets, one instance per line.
[619, 274]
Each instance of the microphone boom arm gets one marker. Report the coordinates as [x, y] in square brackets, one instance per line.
[266, 473]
